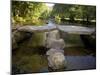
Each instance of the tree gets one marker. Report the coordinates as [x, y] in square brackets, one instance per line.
[29, 12]
[89, 12]
[74, 12]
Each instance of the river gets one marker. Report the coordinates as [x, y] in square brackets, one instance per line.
[77, 57]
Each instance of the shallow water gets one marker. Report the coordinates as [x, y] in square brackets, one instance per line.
[77, 63]
[77, 59]
[33, 60]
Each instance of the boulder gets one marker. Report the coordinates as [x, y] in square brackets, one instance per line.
[19, 37]
[53, 34]
[56, 44]
[56, 59]
[53, 40]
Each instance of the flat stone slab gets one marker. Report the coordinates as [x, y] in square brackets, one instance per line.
[37, 28]
[76, 29]
[65, 28]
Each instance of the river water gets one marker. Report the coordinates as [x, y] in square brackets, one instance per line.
[77, 57]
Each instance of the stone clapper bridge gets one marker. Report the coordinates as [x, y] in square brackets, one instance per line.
[56, 59]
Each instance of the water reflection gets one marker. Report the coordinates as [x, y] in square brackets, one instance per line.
[33, 60]
[28, 62]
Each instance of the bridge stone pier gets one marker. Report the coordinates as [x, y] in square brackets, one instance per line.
[53, 40]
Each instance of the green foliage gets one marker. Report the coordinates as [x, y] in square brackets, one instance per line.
[74, 12]
[35, 13]
[29, 13]
[89, 12]
[57, 19]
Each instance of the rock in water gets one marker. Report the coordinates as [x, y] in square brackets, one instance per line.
[55, 44]
[56, 59]
[53, 34]
[19, 37]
